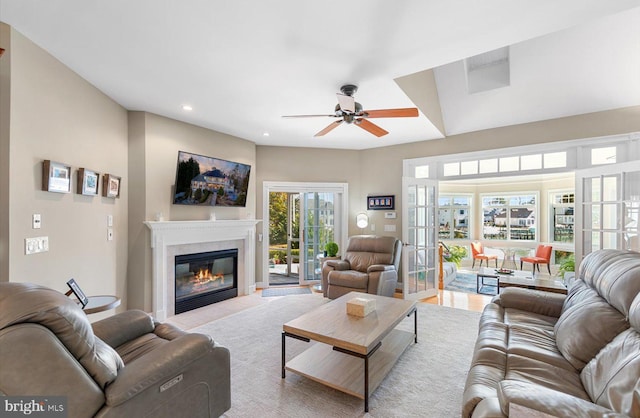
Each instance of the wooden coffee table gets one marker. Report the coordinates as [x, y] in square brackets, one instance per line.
[353, 354]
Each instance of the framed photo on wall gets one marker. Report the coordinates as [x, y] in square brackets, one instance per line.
[87, 183]
[56, 177]
[387, 202]
[110, 186]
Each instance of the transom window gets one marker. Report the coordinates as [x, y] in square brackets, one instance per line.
[509, 217]
[508, 164]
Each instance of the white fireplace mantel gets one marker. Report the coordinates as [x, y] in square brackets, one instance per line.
[175, 237]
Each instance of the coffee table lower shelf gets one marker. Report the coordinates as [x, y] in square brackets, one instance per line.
[343, 371]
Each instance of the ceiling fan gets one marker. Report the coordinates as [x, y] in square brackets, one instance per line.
[349, 111]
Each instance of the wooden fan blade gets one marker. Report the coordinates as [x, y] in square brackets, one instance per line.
[329, 128]
[371, 127]
[310, 116]
[347, 103]
[408, 112]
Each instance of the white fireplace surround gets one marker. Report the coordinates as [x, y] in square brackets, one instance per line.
[171, 238]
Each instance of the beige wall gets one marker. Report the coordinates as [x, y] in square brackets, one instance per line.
[5, 105]
[56, 115]
[153, 154]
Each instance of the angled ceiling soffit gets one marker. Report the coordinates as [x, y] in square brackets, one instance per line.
[421, 88]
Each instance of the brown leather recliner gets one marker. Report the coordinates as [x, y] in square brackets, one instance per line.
[369, 265]
[124, 366]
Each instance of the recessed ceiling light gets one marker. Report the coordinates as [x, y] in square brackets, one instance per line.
[265, 134]
[187, 108]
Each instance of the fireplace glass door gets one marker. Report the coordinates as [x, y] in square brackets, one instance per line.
[205, 278]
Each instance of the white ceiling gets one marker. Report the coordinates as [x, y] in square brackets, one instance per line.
[244, 64]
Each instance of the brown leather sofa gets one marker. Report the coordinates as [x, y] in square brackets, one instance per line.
[124, 366]
[369, 265]
[567, 356]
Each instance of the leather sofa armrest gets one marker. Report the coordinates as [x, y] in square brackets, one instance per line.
[126, 326]
[548, 401]
[338, 264]
[159, 366]
[380, 267]
[536, 301]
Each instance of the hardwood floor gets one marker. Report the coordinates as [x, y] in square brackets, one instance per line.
[200, 316]
[459, 300]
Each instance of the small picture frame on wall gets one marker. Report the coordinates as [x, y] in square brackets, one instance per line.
[56, 177]
[110, 186]
[87, 183]
[387, 202]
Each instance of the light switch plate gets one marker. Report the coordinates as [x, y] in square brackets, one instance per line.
[36, 245]
[109, 220]
[389, 228]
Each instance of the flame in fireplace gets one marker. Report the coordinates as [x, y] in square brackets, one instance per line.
[204, 276]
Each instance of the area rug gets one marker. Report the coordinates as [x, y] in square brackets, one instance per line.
[285, 291]
[427, 381]
[467, 282]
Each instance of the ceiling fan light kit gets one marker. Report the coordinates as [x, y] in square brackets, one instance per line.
[351, 112]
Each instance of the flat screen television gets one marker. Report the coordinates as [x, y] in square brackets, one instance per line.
[208, 181]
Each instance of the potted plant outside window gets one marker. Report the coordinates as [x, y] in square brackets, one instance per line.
[568, 265]
[455, 254]
[331, 248]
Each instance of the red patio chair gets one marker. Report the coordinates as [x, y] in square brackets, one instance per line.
[543, 256]
[477, 250]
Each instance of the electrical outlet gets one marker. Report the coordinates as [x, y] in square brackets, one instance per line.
[36, 221]
[110, 234]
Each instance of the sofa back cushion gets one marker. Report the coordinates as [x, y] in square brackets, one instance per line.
[366, 250]
[612, 378]
[30, 303]
[586, 327]
[614, 275]
[598, 303]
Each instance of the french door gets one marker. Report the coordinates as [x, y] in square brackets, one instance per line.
[321, 211]
[608, 206]
[318, 217]
[420, 238]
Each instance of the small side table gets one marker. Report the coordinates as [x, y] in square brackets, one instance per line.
[322, 259]
[101, 303]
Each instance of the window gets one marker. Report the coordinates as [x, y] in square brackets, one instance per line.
[555, 159]
[562, 216]
[453, 216]
[421, 172]
[606, 155]
[509, 217]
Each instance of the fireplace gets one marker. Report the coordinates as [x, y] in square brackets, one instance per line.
[172, 238]
[205, 278]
